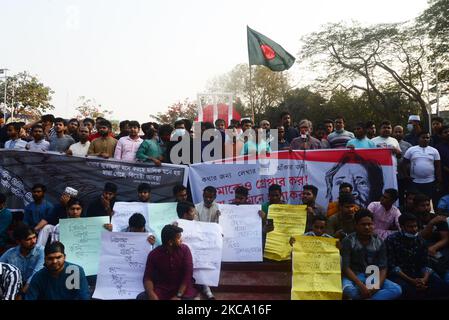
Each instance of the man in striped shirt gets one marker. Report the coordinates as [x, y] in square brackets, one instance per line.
[340, 137]
[10, 281]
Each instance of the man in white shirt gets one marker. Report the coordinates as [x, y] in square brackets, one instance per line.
[208, 209]
[80, 148]
[127, 147]
[385, 140]
[39, 143]
[422, 163]
[15, 143]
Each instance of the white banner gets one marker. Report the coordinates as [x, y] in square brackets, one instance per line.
[242, 233]
[122, 265]
[205, 241]
[369, 171]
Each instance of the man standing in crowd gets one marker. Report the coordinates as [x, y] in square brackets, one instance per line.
[39, 143]
[370, 127]
[127, 147]
[385, 140]
[80, 148]
[72, 129]
[398, 134]
[104, 146]
[14, 142]
[423, 165]
[340, 137]
[414, 129]
[437, 126]
[305, 141]
[61, 142]
[360, 141]
[290, 132]
[443, 149]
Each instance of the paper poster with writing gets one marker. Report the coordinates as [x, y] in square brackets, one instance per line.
[288, 220]
[316, 269]
[159, 215]
[82, 240]
[124, 210]
[242, 233]
[122, 265]
[205, 242]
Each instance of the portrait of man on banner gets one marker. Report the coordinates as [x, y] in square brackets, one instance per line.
[365, 176]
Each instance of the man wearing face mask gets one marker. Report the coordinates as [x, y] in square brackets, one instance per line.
[414, 127]
[408, 262]
[340, 137]
[305, 141]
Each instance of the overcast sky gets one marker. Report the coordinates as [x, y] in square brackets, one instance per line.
[137, 57]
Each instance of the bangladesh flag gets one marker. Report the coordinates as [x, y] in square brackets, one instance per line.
[264, 51]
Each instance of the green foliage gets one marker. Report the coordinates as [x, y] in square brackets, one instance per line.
[89, 108]
[30, 96]
[184, 110]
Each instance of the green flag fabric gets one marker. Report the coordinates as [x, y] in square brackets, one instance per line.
[264, 51]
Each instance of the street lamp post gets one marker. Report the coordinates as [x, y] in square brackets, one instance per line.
[3, 71]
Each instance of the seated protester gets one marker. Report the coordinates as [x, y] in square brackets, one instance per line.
[308, 196]
[10, 281]
[102, 206]
[385, 214]
[435, 231]
[408, 206]
[61, 142]
[144, 192]
[127, 146]
[38, 213]
[360, 250]
[14, 142]
[27, 256]
[150, 150]
[80, 148]
[208, 209]
[318, 229]
[5, 223]
[332, 207]
[442, 208]
[180, 193]
[74, 209]
[408, 263]
[360, 141]
[186, 210]
[169, 269]
[136, 223]
[241, 195]
[342, 224]
[38, 143]
[51, 282]
[274, 197]
[104, 145]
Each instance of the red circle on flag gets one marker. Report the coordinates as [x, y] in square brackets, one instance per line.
[268, 52]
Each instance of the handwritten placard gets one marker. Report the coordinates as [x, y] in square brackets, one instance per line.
[242, 233]
[288, 220]
[205, 242]
[122, 265]
[82, 240]
[316, 269]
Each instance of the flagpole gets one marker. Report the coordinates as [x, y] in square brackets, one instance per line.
[251, 100]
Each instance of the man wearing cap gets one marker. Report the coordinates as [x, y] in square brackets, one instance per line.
[414, 127]
[305, 141]
[59, 279]
[103, 205]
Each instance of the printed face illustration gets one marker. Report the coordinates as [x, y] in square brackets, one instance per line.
[357, 176]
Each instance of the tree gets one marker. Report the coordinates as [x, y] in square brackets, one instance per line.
[183, 110]
[268, 88]
[27, 94]
[89, 108]
[382, 61]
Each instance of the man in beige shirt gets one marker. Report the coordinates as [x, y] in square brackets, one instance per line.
[105, 145]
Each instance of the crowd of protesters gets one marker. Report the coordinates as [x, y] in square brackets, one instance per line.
[409, 242]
